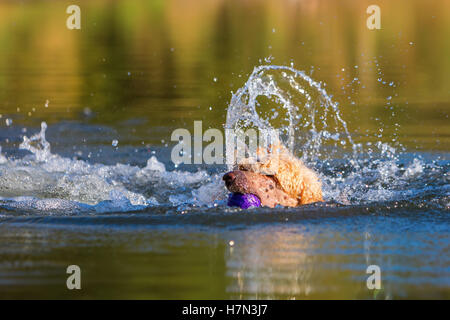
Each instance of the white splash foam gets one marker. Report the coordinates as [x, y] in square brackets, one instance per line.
[46, 182]
[2, 157]
[414, 169]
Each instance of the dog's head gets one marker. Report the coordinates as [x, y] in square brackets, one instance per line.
[265, 187]
[276, 177]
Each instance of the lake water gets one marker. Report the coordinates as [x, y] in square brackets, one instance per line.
[93, 184]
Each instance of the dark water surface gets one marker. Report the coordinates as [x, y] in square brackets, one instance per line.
[140, 228]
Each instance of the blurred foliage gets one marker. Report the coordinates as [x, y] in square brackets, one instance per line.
[157, 60]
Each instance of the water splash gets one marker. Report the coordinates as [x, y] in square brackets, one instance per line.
[286, 99]
[298, 107]
[274, 97]
[46, 182]
[2, 157]
[37, 144]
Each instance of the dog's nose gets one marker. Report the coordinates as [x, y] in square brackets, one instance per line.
[229, 178]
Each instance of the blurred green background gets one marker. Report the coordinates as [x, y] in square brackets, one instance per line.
[168, 63]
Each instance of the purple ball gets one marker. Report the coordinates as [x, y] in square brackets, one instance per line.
[244, 201]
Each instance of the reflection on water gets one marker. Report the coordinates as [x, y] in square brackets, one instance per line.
[269, 264]
[133, 256]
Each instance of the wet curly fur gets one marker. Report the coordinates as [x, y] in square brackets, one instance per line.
[277, 177]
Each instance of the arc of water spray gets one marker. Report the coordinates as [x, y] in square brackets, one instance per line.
[246, 110]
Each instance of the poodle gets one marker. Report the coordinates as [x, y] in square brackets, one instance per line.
[276, 177]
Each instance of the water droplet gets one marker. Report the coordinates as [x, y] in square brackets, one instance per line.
[87, 111]
[215, 79]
